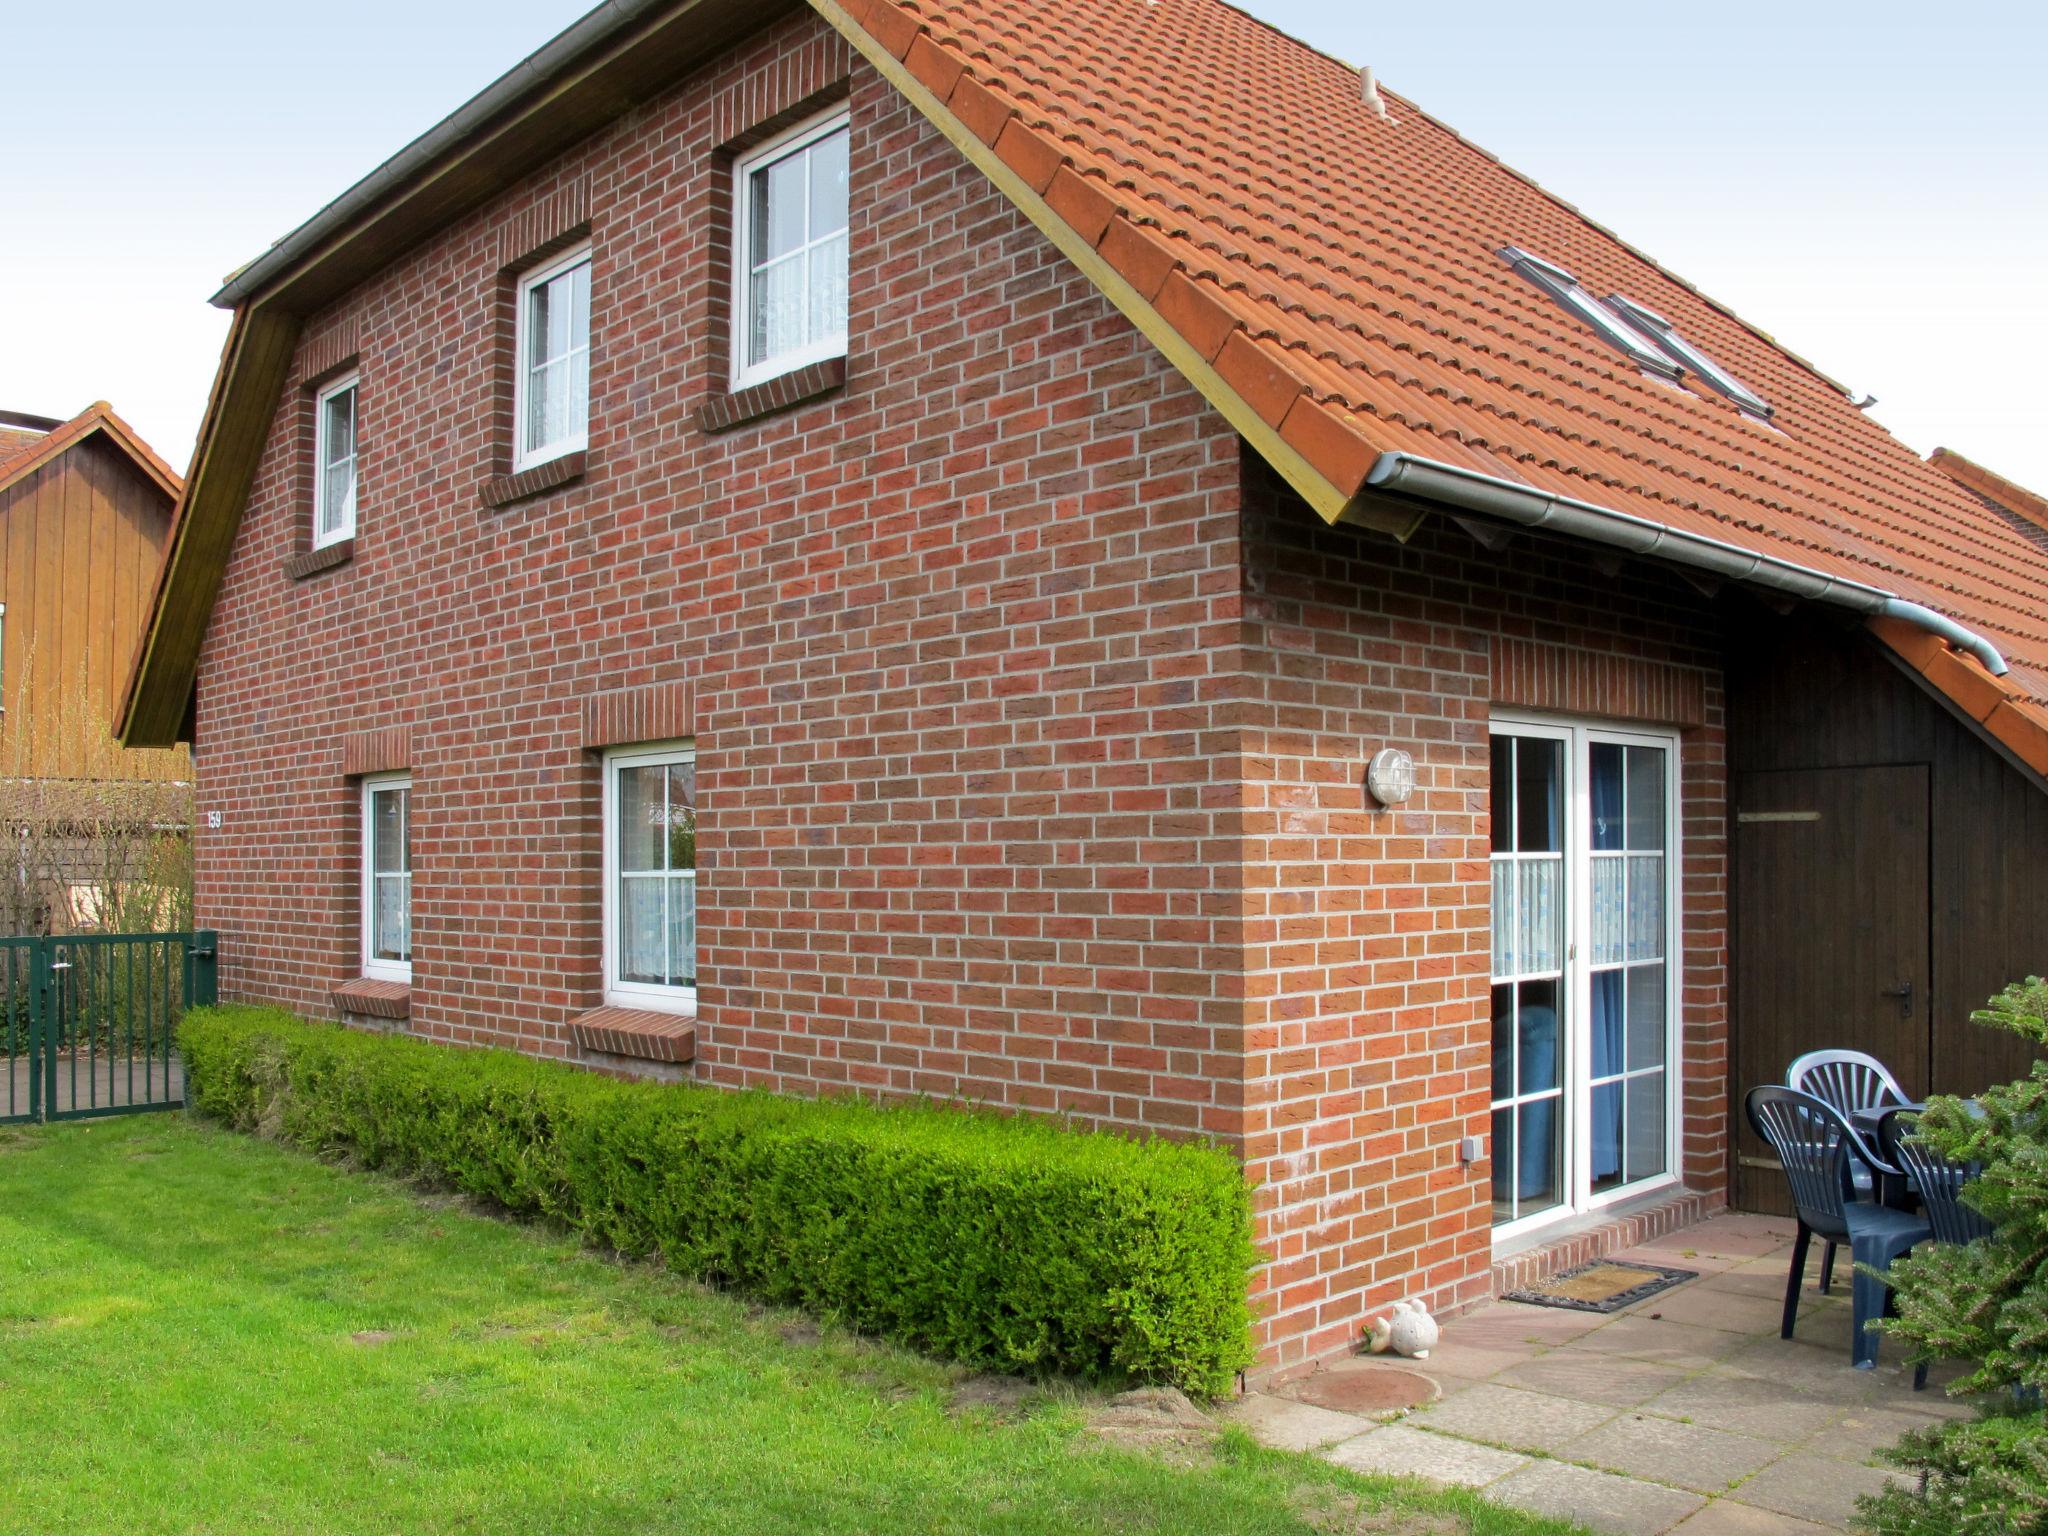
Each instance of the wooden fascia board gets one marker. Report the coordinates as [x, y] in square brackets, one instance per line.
[237, 426]
[1332, 502]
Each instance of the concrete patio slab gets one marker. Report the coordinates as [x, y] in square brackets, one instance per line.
[1740, 1405]
[1401, 1451]
[1729, 1311]
[1518, 1420]
[1291, 1426]
[1593, 1378]
[1724, 1517]
[1668, 1451]
[1597, 1500]
[1817, 1488]
[1686, 1412]
[1648, 1336]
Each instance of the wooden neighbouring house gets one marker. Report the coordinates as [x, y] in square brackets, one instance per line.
[1081, 557]
[95, 831]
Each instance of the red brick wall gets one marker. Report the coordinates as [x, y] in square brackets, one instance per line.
[1367, 931]
[951, 639]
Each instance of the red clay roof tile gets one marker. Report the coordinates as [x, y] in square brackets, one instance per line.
[1361, 256]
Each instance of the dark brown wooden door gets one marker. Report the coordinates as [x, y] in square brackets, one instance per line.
[1831, 940]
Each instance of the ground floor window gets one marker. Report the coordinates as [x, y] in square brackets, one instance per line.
[1585, 984]
[650, 876]
[387, 877]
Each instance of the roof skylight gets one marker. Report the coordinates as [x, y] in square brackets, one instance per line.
[1655, 326]
[1639, 348]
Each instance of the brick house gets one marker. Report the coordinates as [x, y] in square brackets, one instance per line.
[1086, 559]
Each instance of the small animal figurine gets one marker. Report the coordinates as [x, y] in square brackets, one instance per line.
[1409, 1331]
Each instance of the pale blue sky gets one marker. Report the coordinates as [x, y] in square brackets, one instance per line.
[1867, 181]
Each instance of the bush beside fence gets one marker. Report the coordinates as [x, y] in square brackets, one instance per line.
[1000, 1242]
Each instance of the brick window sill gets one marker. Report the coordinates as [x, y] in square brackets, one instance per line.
[504, 490]
[638, 1032]
[311, 562]
[723, 412]
[373, 999]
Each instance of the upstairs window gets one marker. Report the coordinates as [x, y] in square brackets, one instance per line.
[1655, 326]
[387, 877]
[334, 461]
[552, 404]
[650, 877]
[1610, 327]
[789, 251]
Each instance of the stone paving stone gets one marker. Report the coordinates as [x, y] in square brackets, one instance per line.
[1724, 1517]
[1756, 1280]
[1455, 1359]
[1825, 1373]
[1508, 1323]
[1747, 1405]
[1521, 1421]
[1703, 1307]
[1666, 1451]
[1288, 1426]
[1818, 1488]
[1866, 1431]
[1592, 1377]
[1402, 1451]
[1644, 1336]
[1597, 1500]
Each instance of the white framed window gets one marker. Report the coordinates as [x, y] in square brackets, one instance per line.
[1586, 967]
[387, 877]
[334, 462]
[789, 250]
[551, 377]
[650, 877]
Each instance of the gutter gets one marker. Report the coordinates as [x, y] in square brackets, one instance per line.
[1401, 474]
[520, 81]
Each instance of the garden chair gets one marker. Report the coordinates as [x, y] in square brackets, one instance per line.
[1850, 1081]
[1815, 1143]
[1940, 1185]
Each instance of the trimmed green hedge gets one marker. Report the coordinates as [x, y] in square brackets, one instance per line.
[997, 1241]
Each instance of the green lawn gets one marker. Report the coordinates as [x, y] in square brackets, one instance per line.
[203, 1332]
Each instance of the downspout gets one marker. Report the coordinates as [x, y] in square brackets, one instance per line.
[1401, 474]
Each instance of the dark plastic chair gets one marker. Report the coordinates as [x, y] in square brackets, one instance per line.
[1815, 1143]
[1939, 1183]
[1850, 1081]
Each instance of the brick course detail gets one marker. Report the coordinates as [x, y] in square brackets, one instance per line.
[635, 1032]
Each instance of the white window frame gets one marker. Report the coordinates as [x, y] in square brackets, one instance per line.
[1575, 1035]
[635, 994]
[759, 158]
[373, 968]
[525, 456]
[344, 529]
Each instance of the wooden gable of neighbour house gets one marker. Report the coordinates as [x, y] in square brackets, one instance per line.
[85, 517]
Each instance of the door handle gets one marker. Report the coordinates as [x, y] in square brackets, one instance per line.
[1904, 993]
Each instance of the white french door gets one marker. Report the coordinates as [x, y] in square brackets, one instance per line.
[1585, 967]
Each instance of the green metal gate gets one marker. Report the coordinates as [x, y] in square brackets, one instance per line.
[87, 1021]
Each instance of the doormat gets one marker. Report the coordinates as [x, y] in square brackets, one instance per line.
[1605, 1285]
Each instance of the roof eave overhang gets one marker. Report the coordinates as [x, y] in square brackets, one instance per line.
[619, 56]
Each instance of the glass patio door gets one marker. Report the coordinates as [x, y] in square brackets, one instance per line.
[1584, 840]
